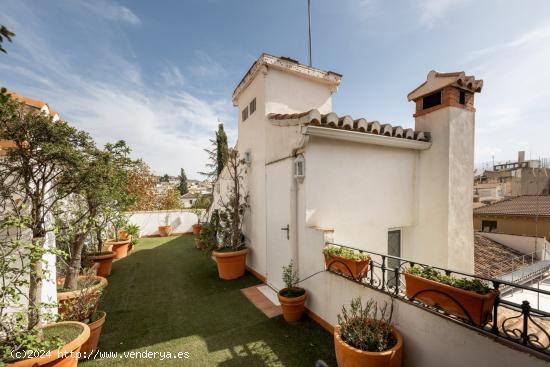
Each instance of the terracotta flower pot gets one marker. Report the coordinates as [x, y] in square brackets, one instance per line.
[65, 356]
[165, 231]
[119, 247]
[348, 356]
[231, 265]
[196, 228]
[293, 307]
[95, 332]
[105, 262]
[456, 301]
[122, 234]
[354, 268]
[99, 283]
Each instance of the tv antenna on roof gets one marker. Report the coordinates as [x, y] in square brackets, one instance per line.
[309, 29]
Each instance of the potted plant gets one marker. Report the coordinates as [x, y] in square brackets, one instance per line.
[166, 229]
[103, 261]
[231, 253]
[83, 308]
[197, 226]
[467, 299]
[87, 284]
[133, 232]
[56, 345]
[292, 298]
[346, 261]
[365, 336]
[21, 335]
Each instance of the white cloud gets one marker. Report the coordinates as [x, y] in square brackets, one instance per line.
[172, 76]
[167, 127]
[112, 11]
[430, 11]
[513, 106]
[206, 66]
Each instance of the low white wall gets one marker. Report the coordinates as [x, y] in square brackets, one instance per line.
[148, 222]
[429, 340]
[524, 244]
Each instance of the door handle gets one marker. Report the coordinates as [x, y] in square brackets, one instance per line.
[287, 229]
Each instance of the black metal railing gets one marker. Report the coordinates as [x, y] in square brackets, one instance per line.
[507, 319]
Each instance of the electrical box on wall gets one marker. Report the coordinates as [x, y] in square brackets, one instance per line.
[299, 168]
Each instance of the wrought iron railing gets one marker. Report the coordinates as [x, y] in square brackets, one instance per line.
[519, 323]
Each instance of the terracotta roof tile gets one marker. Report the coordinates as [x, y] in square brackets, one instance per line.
[333, 121]
[526, 205]
[492, 259]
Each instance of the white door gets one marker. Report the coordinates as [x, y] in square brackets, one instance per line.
[279, 229]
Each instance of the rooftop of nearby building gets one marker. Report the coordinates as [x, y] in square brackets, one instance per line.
[526, 205]
[31, 102]
[493, 259]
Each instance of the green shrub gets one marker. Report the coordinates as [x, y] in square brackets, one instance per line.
[344, 252]
[367, 328]
[473, 285]
[133, 230]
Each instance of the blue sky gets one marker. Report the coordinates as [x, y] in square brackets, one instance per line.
[159, 74]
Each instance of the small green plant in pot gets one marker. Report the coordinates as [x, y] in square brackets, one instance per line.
[292, 297]
[365, 336]
[133, 233]
[346, 261]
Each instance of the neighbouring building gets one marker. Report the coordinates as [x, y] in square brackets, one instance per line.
[527, 215]
[189, 199]
[30, 104]
[524, 177]
[488, 193]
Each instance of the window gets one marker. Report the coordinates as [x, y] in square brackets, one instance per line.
[488, 225]
[394, 249]
[431, 100]
[252, 107]
[462, 97]
[245, 113]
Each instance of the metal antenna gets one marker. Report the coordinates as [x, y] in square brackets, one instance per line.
[309, 29]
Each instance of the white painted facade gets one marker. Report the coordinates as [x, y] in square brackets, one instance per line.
[359, 185]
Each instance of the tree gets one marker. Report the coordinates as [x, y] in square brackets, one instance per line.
[141, 187]
[164, 178]
[103, 186]
[7, 34]
[203, 202]
[42, 168]
[234, 205]
[182, 186]
[218, 155]
[170, 199]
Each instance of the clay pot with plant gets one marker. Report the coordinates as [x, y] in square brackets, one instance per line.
[133, 233]
[166, 229]
[292, 297]
[346, 261]
[365, 336]
[468, 299]
[84, 308]
[231, 253]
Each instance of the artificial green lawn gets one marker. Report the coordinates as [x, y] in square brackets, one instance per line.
[166, 297]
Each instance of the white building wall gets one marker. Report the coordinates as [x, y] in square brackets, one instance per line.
[360, 191]
[148, 222]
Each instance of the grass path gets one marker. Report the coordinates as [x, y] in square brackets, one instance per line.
[166, 297]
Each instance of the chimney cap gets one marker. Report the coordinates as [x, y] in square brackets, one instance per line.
[436, 81]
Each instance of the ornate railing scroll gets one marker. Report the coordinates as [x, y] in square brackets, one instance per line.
[517, 322]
